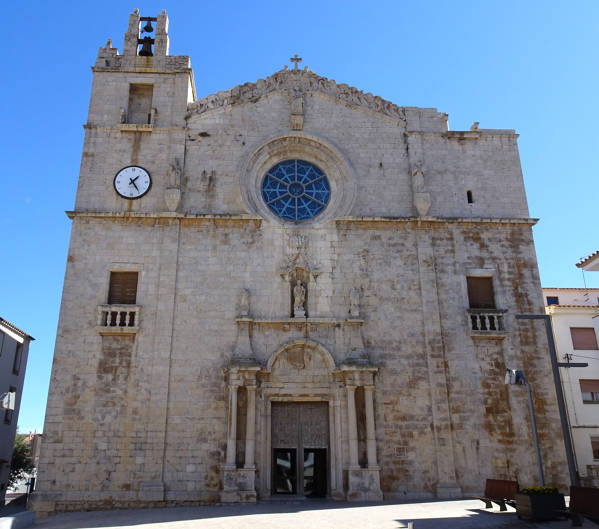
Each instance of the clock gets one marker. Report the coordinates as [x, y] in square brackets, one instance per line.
[132, 182]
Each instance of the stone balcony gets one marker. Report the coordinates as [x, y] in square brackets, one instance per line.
[487, 322]
[118, 319]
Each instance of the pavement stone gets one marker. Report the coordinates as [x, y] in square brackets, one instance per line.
[308, 514]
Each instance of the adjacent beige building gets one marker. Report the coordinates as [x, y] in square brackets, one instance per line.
[293, 288]
[573, 311]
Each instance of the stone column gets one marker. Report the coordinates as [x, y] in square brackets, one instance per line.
[352, 427]
[370, 432]
[250, 429]
[231, 448]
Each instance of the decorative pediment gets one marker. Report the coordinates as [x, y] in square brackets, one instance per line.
[295, 83]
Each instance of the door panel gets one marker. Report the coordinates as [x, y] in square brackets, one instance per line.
[300, 441]
[314, 421]
[315, 472]
[284, 471]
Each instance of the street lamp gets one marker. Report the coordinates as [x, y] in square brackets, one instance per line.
[558, 390]
[516, 377]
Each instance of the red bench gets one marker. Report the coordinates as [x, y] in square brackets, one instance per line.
[501, 492]
[584, 501]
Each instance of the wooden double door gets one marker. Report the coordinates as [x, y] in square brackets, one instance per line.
[300, 448]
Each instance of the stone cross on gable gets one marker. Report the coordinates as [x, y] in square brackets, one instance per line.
[295, 59]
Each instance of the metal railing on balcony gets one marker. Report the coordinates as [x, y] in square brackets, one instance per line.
[487, 320]
[118, 316]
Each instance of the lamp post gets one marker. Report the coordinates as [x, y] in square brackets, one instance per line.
[517, 377]
[558, 390]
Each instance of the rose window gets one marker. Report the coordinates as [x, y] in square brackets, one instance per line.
[296, 190]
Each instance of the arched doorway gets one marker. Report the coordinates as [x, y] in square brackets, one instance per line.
[300, 426]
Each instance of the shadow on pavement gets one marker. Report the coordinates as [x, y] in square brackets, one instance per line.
[132, 517]
[350, 515]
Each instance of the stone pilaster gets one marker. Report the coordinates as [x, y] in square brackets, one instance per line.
[447, 486]
[232, 427]
[352, 427]
[250, 435]
[370, 431]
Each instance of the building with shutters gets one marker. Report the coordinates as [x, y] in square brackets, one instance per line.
[574, 314]
[290, 288]
[14, 350]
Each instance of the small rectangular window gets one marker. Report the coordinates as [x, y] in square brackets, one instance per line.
[590, 391]
[8, 414]
[480, 292]
[139, 110]
[595, 447]
[123, 288]
[584, 338]
[552, 300]
[16, 366]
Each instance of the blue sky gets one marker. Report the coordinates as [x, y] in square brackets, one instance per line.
[530, 66]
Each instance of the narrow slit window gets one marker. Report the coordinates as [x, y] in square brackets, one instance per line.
[469, 197]
[16, 366]
[8, 414]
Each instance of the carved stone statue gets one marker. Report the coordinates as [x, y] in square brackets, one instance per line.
[174, 174]
[123, 116]
[244, 303]
[299, 298]
[354, 302]
[296, 118]
[297, 105]
[422, 199]
[418, 178]
[172, 194]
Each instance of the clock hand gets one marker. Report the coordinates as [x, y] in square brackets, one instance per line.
[132, 181]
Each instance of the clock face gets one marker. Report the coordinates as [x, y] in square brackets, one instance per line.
[132, 182]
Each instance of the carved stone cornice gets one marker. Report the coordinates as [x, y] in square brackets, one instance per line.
[296, 82]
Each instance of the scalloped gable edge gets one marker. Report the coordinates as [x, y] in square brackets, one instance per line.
[296, 82]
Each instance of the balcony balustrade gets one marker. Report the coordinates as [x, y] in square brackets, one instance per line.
[118, 317]
[487, 321]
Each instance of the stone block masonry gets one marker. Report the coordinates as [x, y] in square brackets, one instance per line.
[396, 394]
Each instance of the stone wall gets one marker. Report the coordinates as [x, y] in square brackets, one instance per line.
[141, 415]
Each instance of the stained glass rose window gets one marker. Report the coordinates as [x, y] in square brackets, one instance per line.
[296, 190]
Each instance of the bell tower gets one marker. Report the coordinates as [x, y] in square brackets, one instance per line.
[136, 117]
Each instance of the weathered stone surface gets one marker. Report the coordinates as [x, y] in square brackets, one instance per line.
[169, 412]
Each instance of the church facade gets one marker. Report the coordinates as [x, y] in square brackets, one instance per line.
[289, 288]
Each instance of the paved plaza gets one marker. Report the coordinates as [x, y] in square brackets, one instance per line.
[309, 514]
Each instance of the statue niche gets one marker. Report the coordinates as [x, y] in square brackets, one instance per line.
[298, 282]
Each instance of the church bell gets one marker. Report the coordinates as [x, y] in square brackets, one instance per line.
[146, 47]
[148, 27]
